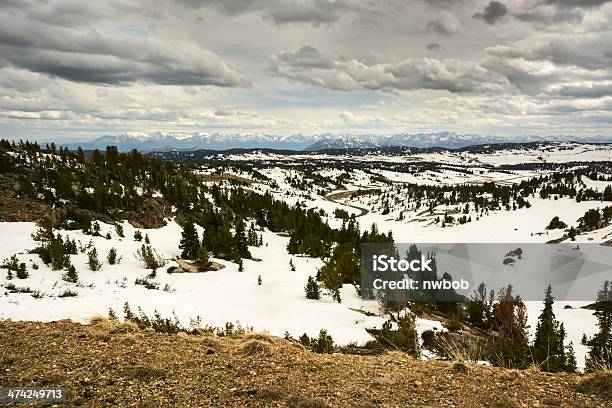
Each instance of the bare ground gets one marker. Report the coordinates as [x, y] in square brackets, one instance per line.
[111, 364]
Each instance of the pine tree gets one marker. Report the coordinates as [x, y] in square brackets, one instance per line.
[190, 242]
[137, 235]
[259, 281]
[95, 228]
[22, 272]
[119, 230]
[323, 344]
[112, 256]
[150, 257]
[202, 259]
[146, 239]
[240, 240]
[312, 289]
[572, 234]
[291, 265]
[548, 347]
[92, 260]
[600, 344]
[71, 274]
[570, 359]
[11, 264]
[240, 265]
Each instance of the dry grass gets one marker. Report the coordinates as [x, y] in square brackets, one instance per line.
[462, 349]
[103, 324]
[598, 383]
[256, 348]
[261, 336]
[460, 367]
[149, 369]
[145, 372]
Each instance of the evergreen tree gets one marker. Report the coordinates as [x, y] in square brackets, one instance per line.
[119, 230]
[22, 271]
[190, 242]
[570, 359]
[150, 257]
[404, 338]
[323, 344]
[71, 274]
[240, 240]
[202, 259]
[600, 353]
[146, 239]
[312, 289]
[259, 280]
[11, 264]
[95, 228]
[240, 265]
[291, 265]
[572, 233]
[112, 256]
[92, 260]
[548, 347]
[137, 235]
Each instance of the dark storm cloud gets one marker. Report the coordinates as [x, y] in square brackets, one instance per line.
[493, 12]
[434, 46]
[90, 56]
[576, 3]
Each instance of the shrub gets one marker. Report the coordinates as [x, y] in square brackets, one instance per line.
[68, 293]
[22, 272]
[71, 275]
[150, 257]
[92, 260]
[112, 256]
[312, 289]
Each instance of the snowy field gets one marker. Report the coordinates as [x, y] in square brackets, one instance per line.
[278, 305]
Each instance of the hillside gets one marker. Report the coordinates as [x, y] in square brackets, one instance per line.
[273, 243]
[106, 364]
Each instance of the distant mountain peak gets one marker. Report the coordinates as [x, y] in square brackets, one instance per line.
[161, 141]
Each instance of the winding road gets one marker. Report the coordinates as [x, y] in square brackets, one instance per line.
[334, 197]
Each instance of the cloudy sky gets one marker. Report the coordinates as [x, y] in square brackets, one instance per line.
[74, 69]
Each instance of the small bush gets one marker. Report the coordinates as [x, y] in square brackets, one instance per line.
[147, 283]
[68, 293]
[92, 261]
[112, 256]
[150, 257]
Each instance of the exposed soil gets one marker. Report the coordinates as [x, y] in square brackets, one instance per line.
[110, 364]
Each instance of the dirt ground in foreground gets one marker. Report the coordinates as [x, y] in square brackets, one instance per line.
[111, 364]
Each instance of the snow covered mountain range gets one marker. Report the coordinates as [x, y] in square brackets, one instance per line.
[160, 141]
